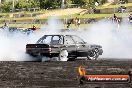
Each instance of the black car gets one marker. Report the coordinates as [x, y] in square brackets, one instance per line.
[53, 45]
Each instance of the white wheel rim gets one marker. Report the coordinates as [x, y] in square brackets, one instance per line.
[63, 55]
[96, 54]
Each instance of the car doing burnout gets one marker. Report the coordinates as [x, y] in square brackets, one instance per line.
[53, 45]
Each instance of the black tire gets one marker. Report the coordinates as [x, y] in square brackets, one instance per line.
[71, 59]
[93, 55]
[35, 58]
[39, 58]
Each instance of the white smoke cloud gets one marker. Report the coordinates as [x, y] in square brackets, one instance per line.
[53, 26]
[13, 44]
[116, 42]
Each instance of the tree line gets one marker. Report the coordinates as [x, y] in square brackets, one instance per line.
[6, 6]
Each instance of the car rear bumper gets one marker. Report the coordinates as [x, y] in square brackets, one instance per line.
[46, 53]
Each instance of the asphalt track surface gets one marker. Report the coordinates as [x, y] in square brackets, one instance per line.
[60, 74]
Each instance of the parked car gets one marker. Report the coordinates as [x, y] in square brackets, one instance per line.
[54, 45]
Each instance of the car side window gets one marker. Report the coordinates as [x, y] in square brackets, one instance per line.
[68, 40]
[51, 39]
[45, 39]
[56, 40]
[77, 40]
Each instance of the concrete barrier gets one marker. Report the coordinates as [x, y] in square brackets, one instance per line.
[129, 9]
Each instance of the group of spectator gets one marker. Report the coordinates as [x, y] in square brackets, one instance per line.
[5, 26]
[75, 21]
[115, 20]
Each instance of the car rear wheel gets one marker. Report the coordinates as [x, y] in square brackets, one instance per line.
[46, 59]
[61, 57]
[71, 58]
[93, 55]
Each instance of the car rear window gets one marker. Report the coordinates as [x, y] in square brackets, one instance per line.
[51, 39]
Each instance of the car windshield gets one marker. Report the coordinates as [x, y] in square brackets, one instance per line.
[51, 39]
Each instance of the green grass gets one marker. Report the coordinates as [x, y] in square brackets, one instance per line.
[25, 12]
[23, 25]
[107, 4]
[65, 16]
[72, 26]
[94, 15]
[91, 15]
[23, 18]
[114, 6]
[70, 16]
[40, 25]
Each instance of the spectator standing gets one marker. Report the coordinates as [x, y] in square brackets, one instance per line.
[69, 23]
[78, 22]
[5, 26]
[116, 20]
[34, 28]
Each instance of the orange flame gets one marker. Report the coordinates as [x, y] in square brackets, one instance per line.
[81, 71]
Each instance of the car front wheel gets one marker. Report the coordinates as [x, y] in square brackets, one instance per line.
[93, 54]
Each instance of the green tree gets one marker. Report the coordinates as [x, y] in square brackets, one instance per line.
[21, 4]
[80, 2]
[33, 3]
[46, 4]
[67, 2]
[103, 1]
[27, 4]
[3, 1]
[84, 2]
[5, 7]
[43, 4]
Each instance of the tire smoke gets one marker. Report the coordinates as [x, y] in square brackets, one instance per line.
[13, 44]
[116, 42]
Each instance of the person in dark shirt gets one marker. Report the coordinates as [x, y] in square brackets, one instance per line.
[115, 17]
[5, 26]
[34, 28]
[116, 20]
[69, 23]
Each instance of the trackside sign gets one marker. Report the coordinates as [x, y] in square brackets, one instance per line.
[102, 78]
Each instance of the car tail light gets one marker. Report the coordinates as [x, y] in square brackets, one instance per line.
[49, 50]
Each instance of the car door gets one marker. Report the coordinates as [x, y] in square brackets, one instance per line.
[69, 44]
[81, 46]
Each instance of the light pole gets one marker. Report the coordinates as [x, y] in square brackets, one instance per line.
[62, 4]
[13, 2]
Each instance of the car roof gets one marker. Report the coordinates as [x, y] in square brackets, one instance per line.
[58, 35]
